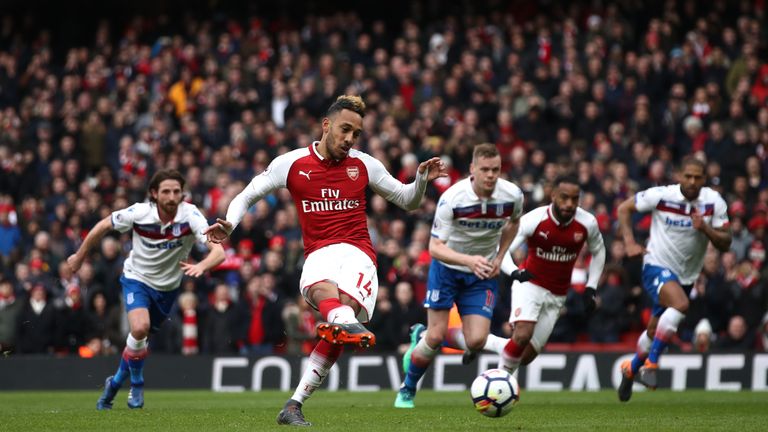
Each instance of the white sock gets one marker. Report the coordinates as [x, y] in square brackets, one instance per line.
[668, 322]
[343, 315]
[644, 343]
[135, 344]
[495, 343]
[318, 368]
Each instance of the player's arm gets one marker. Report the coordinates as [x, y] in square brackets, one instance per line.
[215, 257]
[597, 249]
[261, 185]
[479, 265]
[720, 237]
[407, 197]
[526, 227]
[624, 214]
[596, 266]
[719, 233]
[442, 229]
[94, 236]
[508, 234]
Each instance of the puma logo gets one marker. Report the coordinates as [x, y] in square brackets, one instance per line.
[306, 174]
[544, 234]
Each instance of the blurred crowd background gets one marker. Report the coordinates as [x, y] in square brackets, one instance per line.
[614, 91]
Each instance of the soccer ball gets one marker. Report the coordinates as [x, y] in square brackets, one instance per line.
[494, 392]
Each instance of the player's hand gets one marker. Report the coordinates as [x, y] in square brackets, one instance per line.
[590, 302]
[634, 249]
[697, 219]
[521, 275]
[192, 270]
[218, 232]
[435, 168]
[74, 262]
[481, 267]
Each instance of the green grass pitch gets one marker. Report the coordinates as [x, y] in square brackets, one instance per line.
[169, 411]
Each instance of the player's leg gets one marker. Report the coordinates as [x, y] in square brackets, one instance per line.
[345, 296]
[550, 312]
[144, 322]
[476, 303]
[321, 360]
[340, 306]
[135, 353]
[442, 285]
[527, 303]
[629, 368]
[675, 299]
[134, 299]
[422, 355]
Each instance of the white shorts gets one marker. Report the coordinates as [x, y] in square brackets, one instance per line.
[533, 303]
[347, 267]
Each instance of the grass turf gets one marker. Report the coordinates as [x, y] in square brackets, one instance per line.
[169, 411]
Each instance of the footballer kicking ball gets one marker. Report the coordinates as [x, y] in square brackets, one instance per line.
[494, 393]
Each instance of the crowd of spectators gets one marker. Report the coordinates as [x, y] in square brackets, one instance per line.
[616, 92]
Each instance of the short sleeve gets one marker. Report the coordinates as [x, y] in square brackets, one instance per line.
[648, 199]
[443, 223]
[720, 216]
[122, 220]
[199, 224]
[517, 212]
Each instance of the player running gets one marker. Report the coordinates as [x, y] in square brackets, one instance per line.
[685, 218]
[475, 217]
[554, 236]
[328, 182]
[164, 231]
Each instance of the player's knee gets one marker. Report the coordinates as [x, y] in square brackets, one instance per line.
[682, 304]
[140, 330]
[521, 337]
[475, 344]
[434, 337]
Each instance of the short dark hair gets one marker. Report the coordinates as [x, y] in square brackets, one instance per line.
[691, 160]
[485, 150]
[161, 176]
[566, 178]
[348, 102]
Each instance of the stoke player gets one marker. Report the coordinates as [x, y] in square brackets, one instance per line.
[328, 181]
[554, 236]
[164, 231]
[685, 217]
[474, 219]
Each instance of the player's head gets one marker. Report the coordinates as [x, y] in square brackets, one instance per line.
[342, 125]
[692, 177]
[565, 197]
[166, 189]
[485, 168]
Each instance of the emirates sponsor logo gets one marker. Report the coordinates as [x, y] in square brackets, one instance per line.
[557, 254]
[328, 205]
[353, 172]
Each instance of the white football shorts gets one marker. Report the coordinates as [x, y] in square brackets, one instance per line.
[533, 303]
[349, 268]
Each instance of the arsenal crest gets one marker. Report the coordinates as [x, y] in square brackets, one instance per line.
[353, 172]
[577, 236]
